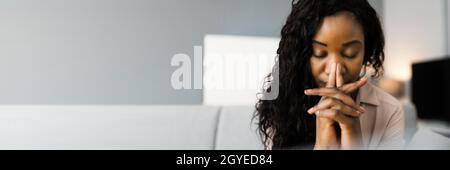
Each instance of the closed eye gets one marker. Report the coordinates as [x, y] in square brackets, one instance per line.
[320, 55]
[350, 52]
[351, 56]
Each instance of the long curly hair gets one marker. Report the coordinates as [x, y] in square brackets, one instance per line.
[284, 121]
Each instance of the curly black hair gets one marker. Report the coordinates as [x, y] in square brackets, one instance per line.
[284, 120]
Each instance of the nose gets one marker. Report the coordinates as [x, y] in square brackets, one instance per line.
[335, 59]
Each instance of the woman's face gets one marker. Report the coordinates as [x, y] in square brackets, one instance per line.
[340, 39]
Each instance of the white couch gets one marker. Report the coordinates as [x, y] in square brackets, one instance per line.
[144, 127]
[127, 127]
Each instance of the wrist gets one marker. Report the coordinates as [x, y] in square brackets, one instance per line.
[351, 138]
[352, 129]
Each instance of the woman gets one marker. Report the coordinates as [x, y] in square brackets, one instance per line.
[325, 101]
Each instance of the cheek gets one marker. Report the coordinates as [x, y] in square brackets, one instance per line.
[353, 69]
[315, 66]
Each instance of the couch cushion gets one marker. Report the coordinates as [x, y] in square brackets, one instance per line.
[236, 131]
[426, 139]
[107, 127]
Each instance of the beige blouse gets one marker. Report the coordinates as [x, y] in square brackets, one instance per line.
[383, 124]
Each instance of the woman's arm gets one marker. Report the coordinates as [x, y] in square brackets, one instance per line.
[325, 134]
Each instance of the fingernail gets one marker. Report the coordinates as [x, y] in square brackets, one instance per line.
[307, 91]
[364, 78]
[310, 110]
[362, 109]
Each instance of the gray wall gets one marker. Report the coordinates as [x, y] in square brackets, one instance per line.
[114, 51]
[378, 5]
[416, 31]
[447, 18]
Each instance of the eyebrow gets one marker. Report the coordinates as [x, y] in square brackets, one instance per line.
[351, 43]
[320, 43]
[345, 44]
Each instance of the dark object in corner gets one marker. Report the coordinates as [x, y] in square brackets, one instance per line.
[431, 89]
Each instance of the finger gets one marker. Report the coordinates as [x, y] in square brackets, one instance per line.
[334, 93]
[331, 103]
[332, 76]
[334, 115]
[339, 79]
[348, 88]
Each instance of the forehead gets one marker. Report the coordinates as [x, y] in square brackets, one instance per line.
[339, 27]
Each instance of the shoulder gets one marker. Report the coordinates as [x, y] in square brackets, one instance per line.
[386, 99]
[389, 120]
[386, 103]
